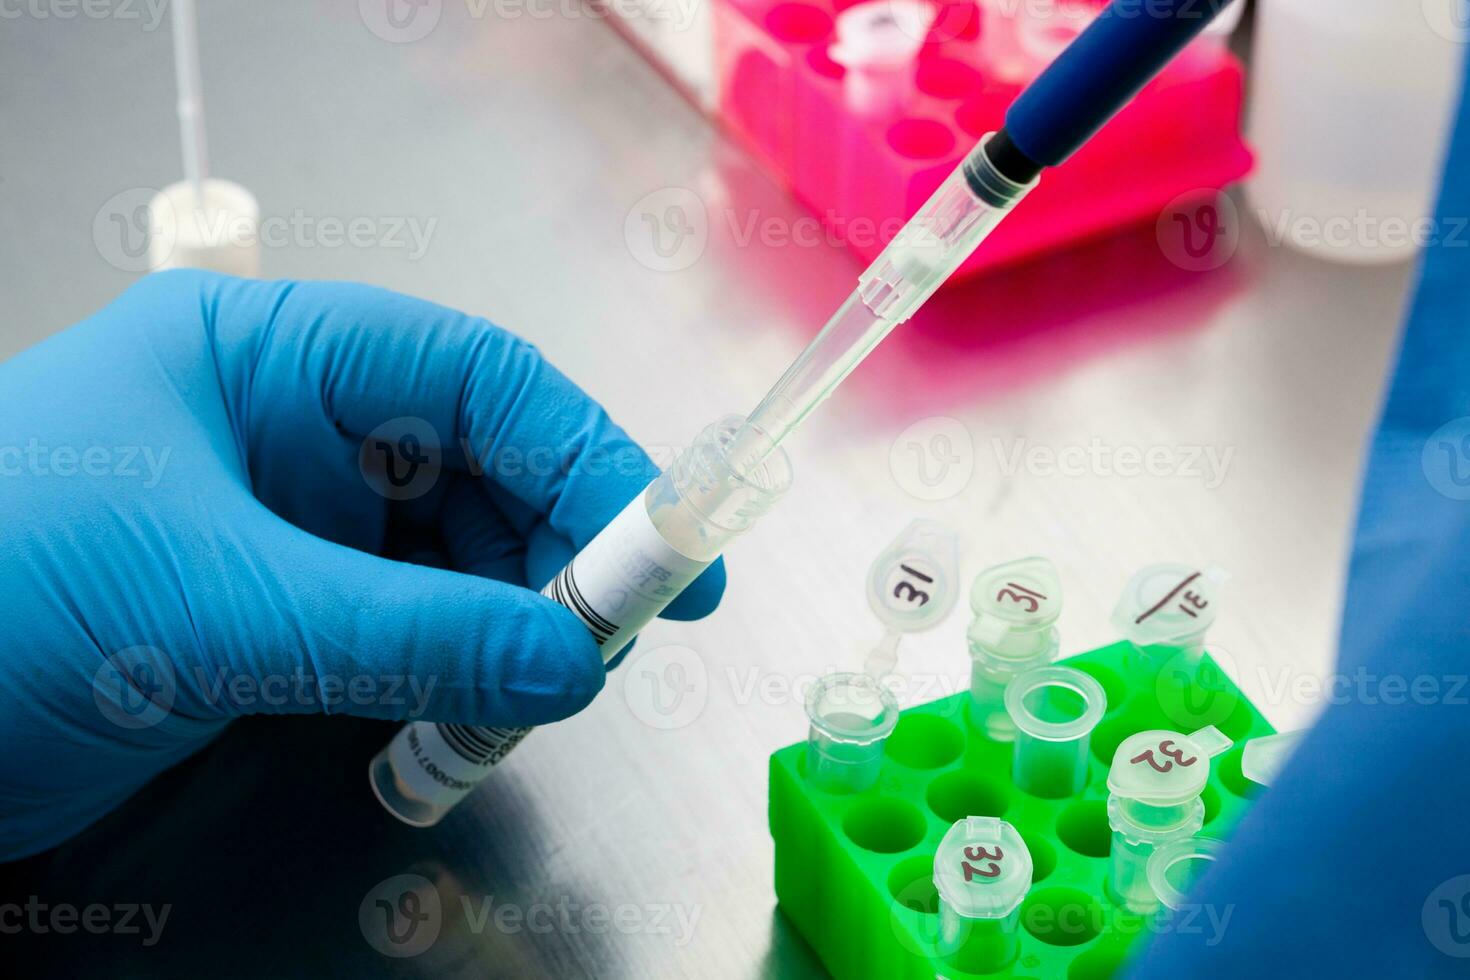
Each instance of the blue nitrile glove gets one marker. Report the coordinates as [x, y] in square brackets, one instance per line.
[1356, 862]
[194, 499]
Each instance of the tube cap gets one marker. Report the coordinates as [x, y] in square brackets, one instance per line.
[982, 868]
[1190, 854]
[1022, 596]
[1263, 757]
[1163, 768]
[221, 233]
[912, 585]
[1168, 604]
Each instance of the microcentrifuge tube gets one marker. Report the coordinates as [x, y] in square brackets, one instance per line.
[1166, 609]
[1175, 865]
[912, 587]
[1016, 606]
[1262, 758]
[851, 715]
[878, 43]
[982, 871]
[1054, 709]
[1154, 787]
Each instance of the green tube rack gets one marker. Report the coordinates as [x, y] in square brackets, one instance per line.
[854, 872]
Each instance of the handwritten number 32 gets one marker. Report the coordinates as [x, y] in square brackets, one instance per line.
[975, 852]
[1168, 748]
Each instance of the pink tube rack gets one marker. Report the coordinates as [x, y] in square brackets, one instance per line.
[863, 173]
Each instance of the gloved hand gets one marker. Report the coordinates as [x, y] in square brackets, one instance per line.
[202, 489]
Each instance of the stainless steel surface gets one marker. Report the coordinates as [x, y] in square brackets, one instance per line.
[532, 143]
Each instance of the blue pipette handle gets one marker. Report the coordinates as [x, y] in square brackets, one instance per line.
[1103, 67]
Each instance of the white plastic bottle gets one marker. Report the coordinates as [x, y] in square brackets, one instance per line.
[1349, 112]
[622, 579]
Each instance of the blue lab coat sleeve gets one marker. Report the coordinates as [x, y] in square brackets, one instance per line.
[1356, 863]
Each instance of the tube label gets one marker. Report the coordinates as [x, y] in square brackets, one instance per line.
[440, 764]
[623, 578]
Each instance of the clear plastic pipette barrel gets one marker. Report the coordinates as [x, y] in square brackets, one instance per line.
[935, 241]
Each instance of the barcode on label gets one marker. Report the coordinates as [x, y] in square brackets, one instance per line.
[563, 589]
[484, 746]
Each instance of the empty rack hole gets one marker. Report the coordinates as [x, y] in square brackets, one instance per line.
[925, 742]
[884, 825]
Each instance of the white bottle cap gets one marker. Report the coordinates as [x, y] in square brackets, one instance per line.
[221, 233]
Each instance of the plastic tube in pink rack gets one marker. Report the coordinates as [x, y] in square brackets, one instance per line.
[862, 120]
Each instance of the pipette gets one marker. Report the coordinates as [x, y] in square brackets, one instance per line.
[1097, 74]
[678, 526]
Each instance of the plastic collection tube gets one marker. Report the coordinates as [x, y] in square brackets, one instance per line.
[851, 715]
[1154, 787]
[624, 577]
[1016, 606]
[1054, 709]
[982, 871]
